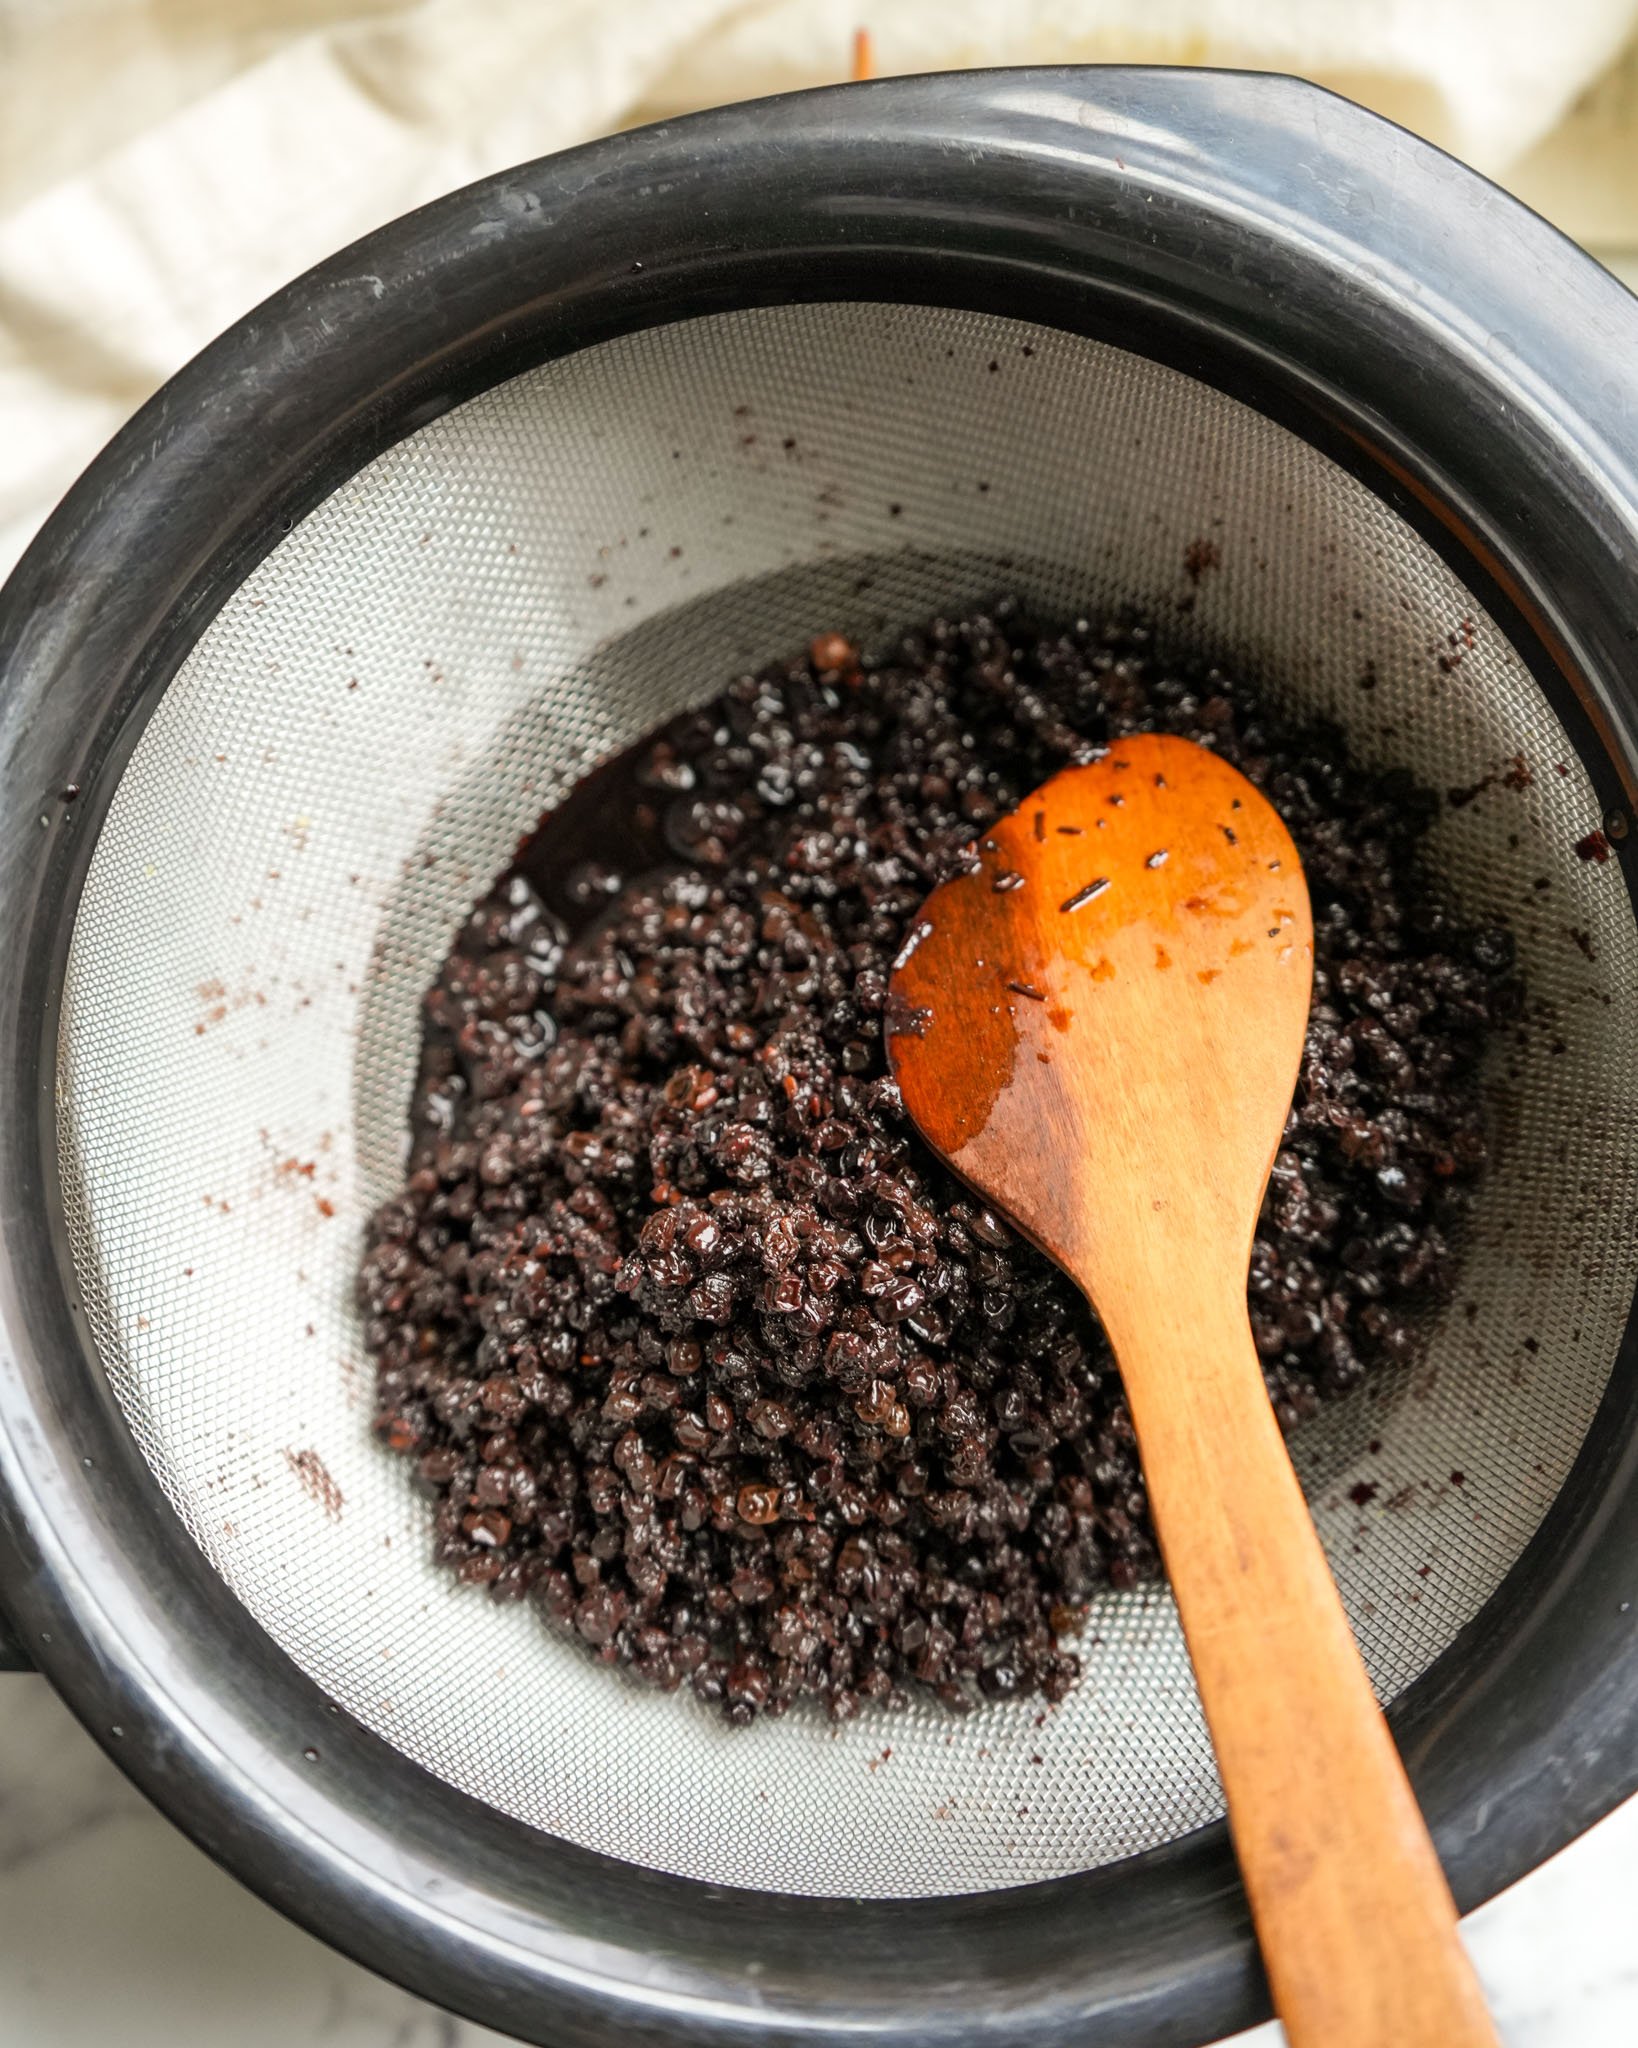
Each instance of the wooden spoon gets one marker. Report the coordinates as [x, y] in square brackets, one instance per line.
[1100, 1029]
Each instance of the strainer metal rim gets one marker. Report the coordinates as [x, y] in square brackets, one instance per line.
[1464, 359]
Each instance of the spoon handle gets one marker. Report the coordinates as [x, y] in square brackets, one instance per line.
[1356, 1923]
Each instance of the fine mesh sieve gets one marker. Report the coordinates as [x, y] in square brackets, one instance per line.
[347, 758]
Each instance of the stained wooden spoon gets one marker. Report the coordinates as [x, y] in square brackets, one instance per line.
[1100, 1029]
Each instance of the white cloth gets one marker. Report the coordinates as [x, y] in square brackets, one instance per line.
[163, 168]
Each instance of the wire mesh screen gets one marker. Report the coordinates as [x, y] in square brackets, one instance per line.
[348, 758]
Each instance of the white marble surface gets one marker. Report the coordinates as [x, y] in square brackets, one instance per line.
[114, 1930]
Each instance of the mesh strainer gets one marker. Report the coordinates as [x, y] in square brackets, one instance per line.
[474, 505]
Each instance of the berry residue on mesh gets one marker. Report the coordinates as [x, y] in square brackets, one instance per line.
[691, 1341]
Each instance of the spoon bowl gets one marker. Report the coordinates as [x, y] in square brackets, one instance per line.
[1097, 972]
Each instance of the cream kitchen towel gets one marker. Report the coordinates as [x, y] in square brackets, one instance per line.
[166, 163]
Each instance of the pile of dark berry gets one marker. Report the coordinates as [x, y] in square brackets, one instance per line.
[692, 1341]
